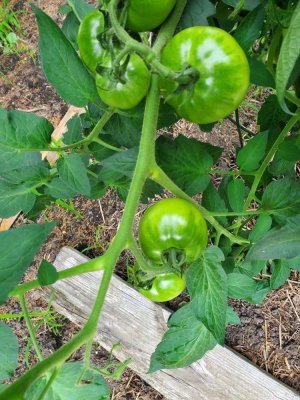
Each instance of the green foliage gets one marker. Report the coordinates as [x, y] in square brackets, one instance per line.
[207, 286]
[61, 64]
[47, 274]
[187, 161]
[18, 247]
[186, 340]
[8, 352]
[252, 211]
[69, 382]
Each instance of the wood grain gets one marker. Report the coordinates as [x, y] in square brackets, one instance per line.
[138, 324]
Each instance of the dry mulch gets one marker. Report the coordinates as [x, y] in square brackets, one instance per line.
[269, 334]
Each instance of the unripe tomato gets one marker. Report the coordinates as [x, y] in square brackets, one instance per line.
[90, 49]
[224, 73]
[145, 15]
[130, 90]
[165, 287]
[172, 224]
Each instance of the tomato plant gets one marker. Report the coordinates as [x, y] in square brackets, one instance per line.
[173, 230]
[145, 15]
[223, 74]
[243, 218]
[164, 287]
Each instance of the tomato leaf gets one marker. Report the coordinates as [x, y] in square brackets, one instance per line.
[244, 287]
[294, 263]
[66, 386]
[14, 199]
[73, 174]
[288, 56]
[47, 274]
[61, 64]
[207, 285]
[289, 149]
[17, 248]
[262, 225]
[20, 133]
[247, 4]
[280, 273]
[8, 352]
[282, 197]
[236, 194]
[232, 317]
[186, 340]
[70, 29]
[259, 74]
[251, 267]
[187, 162]
[212, 201]
[196, 13]
[278, 243]
[271, 117]
[250, 27]
[74, 132]
[80, 8]
[119, 165]
[249, 156]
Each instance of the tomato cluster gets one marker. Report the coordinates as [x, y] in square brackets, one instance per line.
[211, 79]
[222, 68]
[172, 233]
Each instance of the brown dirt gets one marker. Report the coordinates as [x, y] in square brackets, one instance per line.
[269, 334]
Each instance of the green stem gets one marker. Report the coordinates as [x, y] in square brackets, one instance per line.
[21, 315]
[159, 176]
[230, 172]
[30, 327]
[168, 28]
[268, 158]
[95, 264]
[107, 145]
[144, 264]
[292, 98]
[236, 214]
[92, 136]
[143, 167]
[151, 55]
[49, 383]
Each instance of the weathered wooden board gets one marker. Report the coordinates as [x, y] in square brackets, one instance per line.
[138, 324]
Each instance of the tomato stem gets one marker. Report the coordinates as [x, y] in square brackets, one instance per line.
[259, 173]
[159, 176]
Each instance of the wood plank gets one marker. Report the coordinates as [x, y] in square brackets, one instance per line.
[138, 324]
[6, 223]
[51, 156]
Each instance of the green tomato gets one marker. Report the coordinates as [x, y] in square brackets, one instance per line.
[165, 287]
[223, 68]
[172, 224]
[90, 48]
[145, 15]
[128, 90]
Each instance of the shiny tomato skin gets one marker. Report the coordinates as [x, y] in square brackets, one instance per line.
[172, 223]
[146, 15]
[129, 92]
[90, 49]
[165, 287]
[224, 73]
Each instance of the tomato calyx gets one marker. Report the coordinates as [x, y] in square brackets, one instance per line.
[186, 80]
[174, 258]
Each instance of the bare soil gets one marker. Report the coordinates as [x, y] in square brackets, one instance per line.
[269, 334]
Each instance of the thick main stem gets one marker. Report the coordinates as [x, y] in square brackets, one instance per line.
[142, 170]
